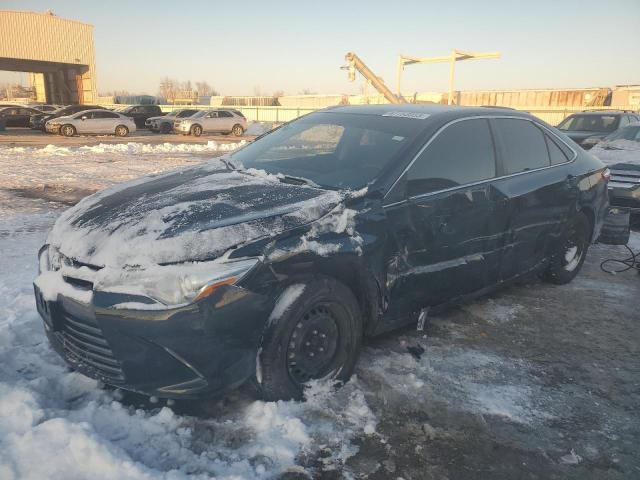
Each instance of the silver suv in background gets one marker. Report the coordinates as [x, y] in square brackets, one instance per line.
[164, 124]
[92, 121]
[212, 121]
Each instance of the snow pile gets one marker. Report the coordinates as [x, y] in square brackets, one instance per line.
[131, 148]
[58, 424]
[618, 151]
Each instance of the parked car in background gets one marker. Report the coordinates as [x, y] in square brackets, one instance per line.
[164, 124]
[212, 121]
[621, 152]
[193, 282]
[140, 113]
[17, 116]
[92, 122]
[589, 127]
[37, 121]
[44, 108]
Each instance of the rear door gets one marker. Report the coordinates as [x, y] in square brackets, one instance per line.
[447, 232]
[539, 190]
[227, 120]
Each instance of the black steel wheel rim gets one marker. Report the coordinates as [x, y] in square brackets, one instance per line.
[313, 345]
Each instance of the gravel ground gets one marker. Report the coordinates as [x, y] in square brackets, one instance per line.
[534, 382]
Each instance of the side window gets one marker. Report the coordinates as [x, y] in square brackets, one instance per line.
[212, 115]
[524, 145]
[87, 115]
[224, 114]
[105, 114]
[556, 154]
[624, 121]
[462, 153]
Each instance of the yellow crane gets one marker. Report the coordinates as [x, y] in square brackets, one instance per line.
[354, 63]
[456, 56]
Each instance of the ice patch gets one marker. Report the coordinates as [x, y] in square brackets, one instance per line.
[493, 312]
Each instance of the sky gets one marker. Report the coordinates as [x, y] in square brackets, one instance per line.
[282, 45]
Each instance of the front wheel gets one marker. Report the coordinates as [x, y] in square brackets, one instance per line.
[567, 261]
[196, 130]
[122, 131]
[314, 332]
[68, 130]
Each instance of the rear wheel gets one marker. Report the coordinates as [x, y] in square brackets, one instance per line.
[122, 131]
[68, 130]
[196, 130]
[237, 130]
[317, 336]
[568, 260]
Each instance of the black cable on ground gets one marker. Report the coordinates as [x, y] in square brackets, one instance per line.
[629, 263]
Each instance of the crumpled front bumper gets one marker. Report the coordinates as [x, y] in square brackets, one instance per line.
[201, 349]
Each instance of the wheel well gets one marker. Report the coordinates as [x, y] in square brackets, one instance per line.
[587, 212]
[195, 125]
[362, 285]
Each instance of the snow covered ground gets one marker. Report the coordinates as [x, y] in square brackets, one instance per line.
[475, 384]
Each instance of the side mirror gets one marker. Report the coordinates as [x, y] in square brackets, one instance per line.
[84, 117]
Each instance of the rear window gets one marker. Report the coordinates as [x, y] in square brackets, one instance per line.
[462, 153]
[524, 145]
[590, 123]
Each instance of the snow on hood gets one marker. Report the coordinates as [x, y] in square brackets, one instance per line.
[618, 151]
[187, 215]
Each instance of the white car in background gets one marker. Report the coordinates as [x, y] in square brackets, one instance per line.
[92, 122]
[212, 121]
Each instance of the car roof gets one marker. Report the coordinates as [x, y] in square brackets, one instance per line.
[428, 110]
[601, 112]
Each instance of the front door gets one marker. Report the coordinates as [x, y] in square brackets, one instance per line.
[448, 231]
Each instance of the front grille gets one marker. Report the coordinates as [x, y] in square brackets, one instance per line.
[83, 339]
[626, 178]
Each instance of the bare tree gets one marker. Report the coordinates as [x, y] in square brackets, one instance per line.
[205, 90]
[278, 93]
[168, 88]
[307, 91]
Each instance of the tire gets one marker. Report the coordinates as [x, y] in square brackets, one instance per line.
[196, 130]
[67, 130]
[237, 130]
[567, 262]
[121, 131]
[317, 336]
[165, 128]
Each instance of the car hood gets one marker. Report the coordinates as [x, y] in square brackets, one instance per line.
[618, 151]
[187, 215]
[160, 117]
[578, 135]
[64, 118]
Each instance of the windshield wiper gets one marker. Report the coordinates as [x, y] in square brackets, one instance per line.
[227, 163]
[297, 180]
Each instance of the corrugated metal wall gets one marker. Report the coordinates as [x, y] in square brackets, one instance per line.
[47, 38]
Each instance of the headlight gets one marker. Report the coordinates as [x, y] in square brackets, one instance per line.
[175, 285]
[43, 259]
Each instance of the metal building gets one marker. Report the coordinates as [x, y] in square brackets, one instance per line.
[58, 53]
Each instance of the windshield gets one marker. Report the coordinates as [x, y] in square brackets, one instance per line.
[173, 113]
[333, 150]
[631, 132]
[590, 123]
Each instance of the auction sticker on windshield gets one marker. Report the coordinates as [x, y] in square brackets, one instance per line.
[416, 115]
